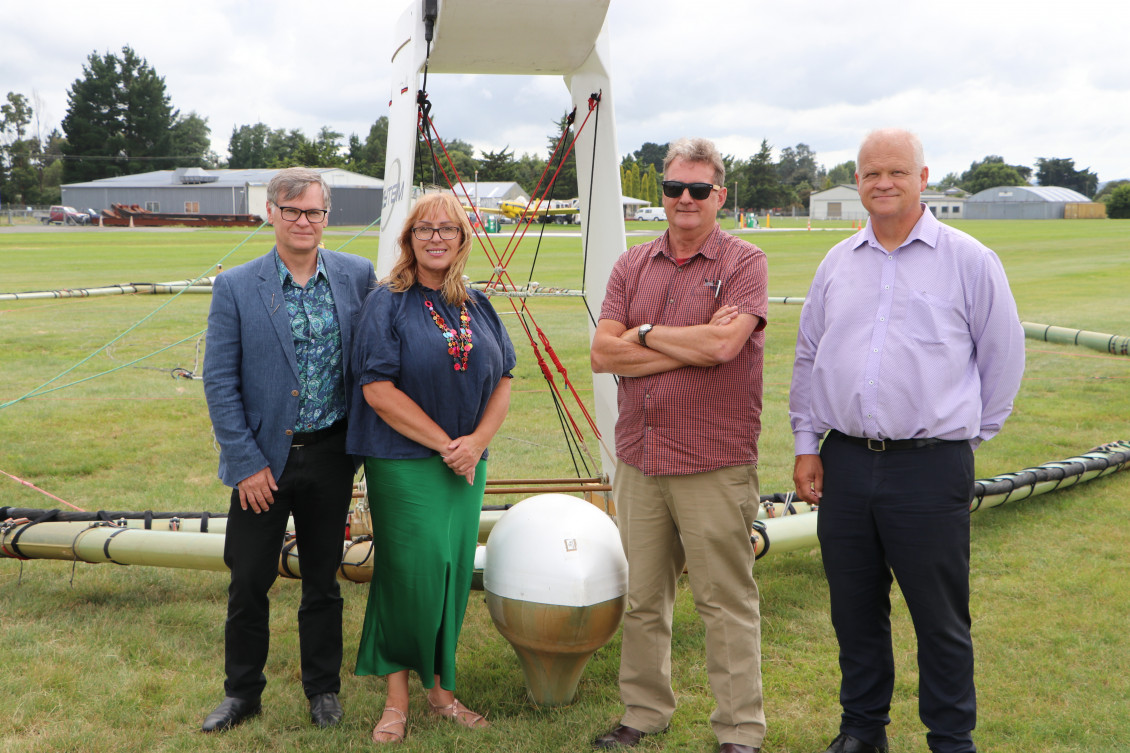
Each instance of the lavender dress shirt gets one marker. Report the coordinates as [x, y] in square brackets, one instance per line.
[922, 341]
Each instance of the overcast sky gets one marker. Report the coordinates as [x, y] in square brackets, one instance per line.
[1019, 79]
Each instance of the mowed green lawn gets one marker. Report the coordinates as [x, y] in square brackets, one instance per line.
[104, 658]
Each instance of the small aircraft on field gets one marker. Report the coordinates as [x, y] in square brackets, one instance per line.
[516, 210]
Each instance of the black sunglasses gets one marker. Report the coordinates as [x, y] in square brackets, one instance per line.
[673, 189]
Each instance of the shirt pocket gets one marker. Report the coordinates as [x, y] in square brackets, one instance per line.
[934, 320]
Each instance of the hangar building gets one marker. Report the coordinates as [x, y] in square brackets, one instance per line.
[194, 190]
[1026, 203]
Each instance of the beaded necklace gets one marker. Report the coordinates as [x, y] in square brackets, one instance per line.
[458, 343]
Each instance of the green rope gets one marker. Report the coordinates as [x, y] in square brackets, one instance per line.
[111, 371]
[41, 388]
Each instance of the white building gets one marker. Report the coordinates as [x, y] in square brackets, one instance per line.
[836, 203]
[842, 202]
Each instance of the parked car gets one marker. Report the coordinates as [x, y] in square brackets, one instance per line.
[63, 215]
[659, 214]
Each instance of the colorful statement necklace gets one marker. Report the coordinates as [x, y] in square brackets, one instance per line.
[458, 343]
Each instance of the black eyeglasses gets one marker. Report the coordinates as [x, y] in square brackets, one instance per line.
[673, 189]
[314, 216]
[447, 232]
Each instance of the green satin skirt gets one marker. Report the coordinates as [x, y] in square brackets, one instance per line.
[425, 529]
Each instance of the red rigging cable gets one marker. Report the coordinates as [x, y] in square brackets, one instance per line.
[41, 491]
[500, 260]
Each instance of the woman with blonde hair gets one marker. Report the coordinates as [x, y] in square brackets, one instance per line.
[433, 364]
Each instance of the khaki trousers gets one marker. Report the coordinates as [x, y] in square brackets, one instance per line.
[703, 521]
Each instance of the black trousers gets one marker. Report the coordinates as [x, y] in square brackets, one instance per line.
[903, 512]
[316, 488]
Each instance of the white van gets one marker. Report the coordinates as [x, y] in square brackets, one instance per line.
[658, 214]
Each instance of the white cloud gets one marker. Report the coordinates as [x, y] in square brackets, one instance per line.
[1023, 80]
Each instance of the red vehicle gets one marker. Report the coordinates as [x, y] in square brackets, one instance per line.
[61, 215]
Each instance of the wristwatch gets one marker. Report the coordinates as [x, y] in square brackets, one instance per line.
[644, 329]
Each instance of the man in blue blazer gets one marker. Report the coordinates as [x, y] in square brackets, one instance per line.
[276, 371]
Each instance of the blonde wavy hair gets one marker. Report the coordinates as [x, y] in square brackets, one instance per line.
[403, 275]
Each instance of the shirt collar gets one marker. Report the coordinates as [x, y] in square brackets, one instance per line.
[709, 247]
[284, 273]
[926, 230]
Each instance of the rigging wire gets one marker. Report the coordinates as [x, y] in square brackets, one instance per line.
[500, 260]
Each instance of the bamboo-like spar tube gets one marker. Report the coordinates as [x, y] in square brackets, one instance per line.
[203, 285]
[1115, 344]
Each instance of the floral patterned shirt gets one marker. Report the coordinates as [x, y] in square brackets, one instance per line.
[317, 346]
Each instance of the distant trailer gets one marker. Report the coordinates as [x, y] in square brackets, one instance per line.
[132, 215]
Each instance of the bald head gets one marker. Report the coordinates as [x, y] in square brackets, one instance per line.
[886, 138]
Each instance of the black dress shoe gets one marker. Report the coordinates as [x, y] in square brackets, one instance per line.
[229, 713]
[620, 737]
[848, 744]
[325, 709]
[737, 748]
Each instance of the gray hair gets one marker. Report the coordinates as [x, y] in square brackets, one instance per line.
[697, 150]
[894, 134]
[292, 182]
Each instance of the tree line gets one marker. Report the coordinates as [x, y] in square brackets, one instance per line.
[120, 121]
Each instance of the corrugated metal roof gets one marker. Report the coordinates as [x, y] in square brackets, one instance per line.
[1051, 194]
[224, 178]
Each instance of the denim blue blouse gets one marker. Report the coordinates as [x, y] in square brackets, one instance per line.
[395, 339]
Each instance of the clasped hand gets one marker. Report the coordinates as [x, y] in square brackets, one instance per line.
[463, 455]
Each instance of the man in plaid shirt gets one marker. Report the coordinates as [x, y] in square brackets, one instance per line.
[682, 326]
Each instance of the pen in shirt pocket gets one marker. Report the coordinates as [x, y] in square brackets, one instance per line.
[716, 284]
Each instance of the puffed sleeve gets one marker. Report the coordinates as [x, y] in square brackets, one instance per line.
[376, 339]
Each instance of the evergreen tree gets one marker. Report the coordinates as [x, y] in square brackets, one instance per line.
[27, 175]
[761, 185]
[1062, 172]
[565, 187]
[119, 119]
[527, 169]
[248, 148]
[993, 171]
[649, 185]
[651, 154]
[191, 142]
[497, 166]
[1118, 206]
[841, 174]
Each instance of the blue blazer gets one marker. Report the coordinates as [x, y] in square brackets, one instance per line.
[250, 367]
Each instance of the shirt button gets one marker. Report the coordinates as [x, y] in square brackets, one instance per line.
[874, 350]
[869, 415]
[882, 318]
[871, 381]
[886, 287]
[289, 432]
[294, 393]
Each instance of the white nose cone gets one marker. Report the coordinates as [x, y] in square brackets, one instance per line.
[556, 583]
[555, 549]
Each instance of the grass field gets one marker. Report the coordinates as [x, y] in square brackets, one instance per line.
[105, 658]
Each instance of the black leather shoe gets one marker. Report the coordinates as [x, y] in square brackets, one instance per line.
[737, 748]
[229, 713]
[620, 737]
[325, 709]
[848, 744]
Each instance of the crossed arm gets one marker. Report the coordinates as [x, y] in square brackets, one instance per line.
[616, 348]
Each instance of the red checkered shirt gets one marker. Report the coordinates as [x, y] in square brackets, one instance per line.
[692, 419]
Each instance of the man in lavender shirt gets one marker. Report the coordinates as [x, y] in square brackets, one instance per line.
[908, 356]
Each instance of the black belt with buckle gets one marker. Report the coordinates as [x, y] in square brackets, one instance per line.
[305, 439]
[883, 445]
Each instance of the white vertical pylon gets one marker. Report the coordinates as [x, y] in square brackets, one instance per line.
[518, 37]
